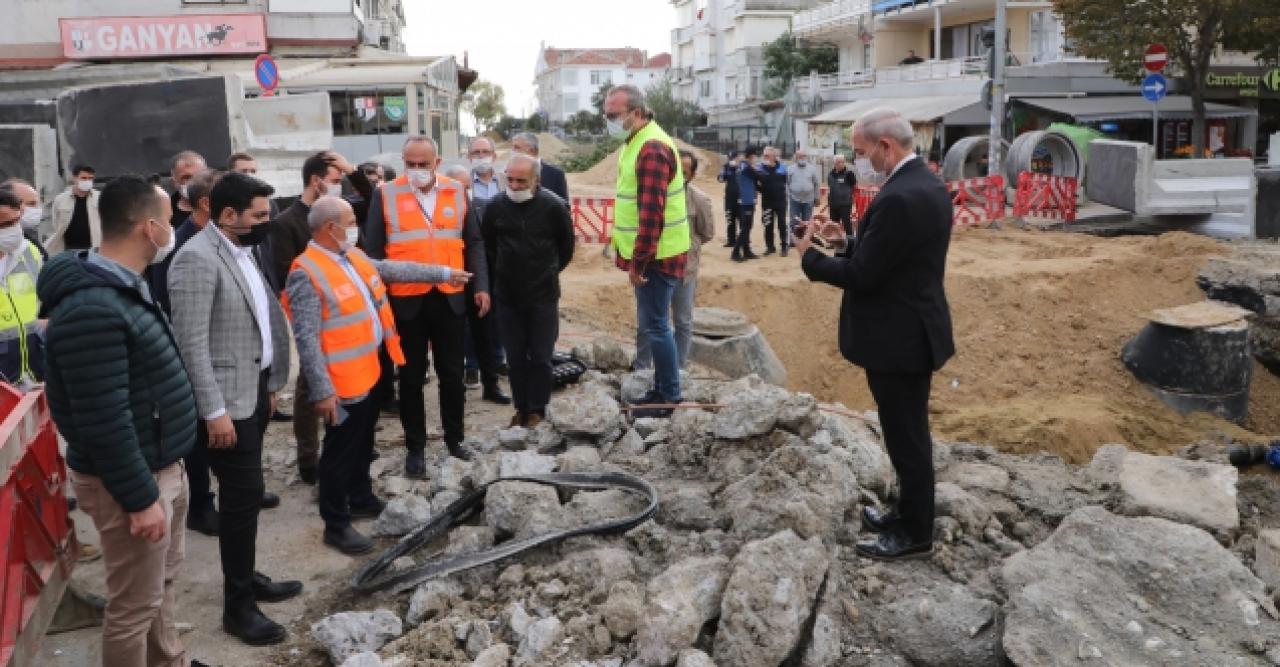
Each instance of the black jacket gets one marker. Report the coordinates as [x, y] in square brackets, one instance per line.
[773, 185]
[553, 179]
[729, 176]
[528, 246]
[840, 187]
[117, 388]
[290, 235]
[894, 316]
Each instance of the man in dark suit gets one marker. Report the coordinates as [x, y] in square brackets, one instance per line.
[551, 177]
[894, 318]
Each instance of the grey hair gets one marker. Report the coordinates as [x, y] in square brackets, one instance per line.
[635, 98]
[185, 156]
[521, 158]
[202, 183]
[484, 139]
[326, 209]
[421, 137]
[457, 171]
[528, 138]
[882, 122]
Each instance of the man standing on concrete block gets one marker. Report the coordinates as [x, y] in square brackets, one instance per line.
[894, 317]
[651, 233]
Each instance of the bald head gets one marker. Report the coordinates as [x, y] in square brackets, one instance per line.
[328, 210]
[27, 194]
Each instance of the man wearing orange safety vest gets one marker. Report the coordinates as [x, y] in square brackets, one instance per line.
[423, 217]
[338, 304]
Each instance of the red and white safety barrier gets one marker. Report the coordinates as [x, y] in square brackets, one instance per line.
[1046, 196]
[862, 197]
[592, 218]
[977, 200]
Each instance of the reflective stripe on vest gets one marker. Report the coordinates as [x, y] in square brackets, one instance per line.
[347, 331]
[411, 237]
[626, 226]
[20, 309]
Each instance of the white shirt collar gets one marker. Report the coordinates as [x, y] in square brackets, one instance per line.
[908, 158]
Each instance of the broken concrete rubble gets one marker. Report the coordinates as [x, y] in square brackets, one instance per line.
[348, 633]
[679, 602]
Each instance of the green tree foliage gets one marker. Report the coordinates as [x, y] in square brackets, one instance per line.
[670, 111]
[485, 102]
[785, 60]
[597, 98]
[1193, 30]
[585, 122]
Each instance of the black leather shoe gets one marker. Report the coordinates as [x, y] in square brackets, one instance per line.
[503, 369]
[457, 452]
[415, 464]
[307, 475]
[894, 546]
[730, 244]
[348, 540]
[737, 258]
[281, 416]
[206, 522]
[769, 251]
[266, 590]
[253, 627]
[877, 520]
[494, 394]
[270, 500]
[368, 510]
[750, 255]
[197, 663]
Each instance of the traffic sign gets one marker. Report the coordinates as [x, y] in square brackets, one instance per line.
[267, 74]
[1156, 58]
[1154, 87]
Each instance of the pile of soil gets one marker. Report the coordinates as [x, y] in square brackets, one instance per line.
[604, 175]
[551, 148]
[1040, 318]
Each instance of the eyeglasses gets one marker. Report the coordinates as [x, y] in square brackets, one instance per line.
[616, 116]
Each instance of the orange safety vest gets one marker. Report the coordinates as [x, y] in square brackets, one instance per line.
[412, 237]
[347, 331]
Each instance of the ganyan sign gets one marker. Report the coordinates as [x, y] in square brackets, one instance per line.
[123, 37]
[1243, 82]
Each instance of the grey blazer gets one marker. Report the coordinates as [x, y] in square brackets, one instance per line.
[217, 328]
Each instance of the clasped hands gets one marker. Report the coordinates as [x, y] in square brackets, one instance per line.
[821, 229]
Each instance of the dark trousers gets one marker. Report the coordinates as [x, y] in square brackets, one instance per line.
[843, 214]
[385, 390]
[483, 345]
[239, 472]
[437, 326]
[343, 476]
[746, 219]
[775, 217]
[306, 426]
[197, 465]
[902, 400]
[732, 211]
[529, 332]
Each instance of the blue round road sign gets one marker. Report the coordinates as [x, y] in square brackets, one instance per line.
[266, 72]
[1154, 87]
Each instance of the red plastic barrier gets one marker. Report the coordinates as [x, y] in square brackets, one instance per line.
[862, 197]
[1045, 196]
[37, 541]
[592, 219]
[977, 200]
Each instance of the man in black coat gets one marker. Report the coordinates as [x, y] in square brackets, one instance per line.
[550, 176]
[894, 318]
[528, 235]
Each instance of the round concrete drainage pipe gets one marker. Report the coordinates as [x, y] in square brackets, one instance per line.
[726, 341]
[1042, 152]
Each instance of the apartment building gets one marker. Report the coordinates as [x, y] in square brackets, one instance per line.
[566, 79]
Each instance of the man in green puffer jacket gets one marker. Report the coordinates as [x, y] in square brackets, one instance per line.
[121, 397]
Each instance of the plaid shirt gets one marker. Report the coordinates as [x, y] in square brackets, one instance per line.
[655, 169]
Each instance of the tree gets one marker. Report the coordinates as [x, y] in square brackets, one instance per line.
[597, 98]
[585, 122]
[1193, 31]
[670, 111]
[485, 102]
[785, 59]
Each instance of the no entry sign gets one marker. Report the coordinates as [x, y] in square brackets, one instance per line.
[1156, 58]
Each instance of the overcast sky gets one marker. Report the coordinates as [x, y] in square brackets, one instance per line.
[503, 36]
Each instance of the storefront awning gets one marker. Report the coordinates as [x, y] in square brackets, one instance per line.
[914, 109]
[1130, 107]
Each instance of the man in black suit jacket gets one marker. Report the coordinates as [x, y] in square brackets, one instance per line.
[551, 177]
[894, 318]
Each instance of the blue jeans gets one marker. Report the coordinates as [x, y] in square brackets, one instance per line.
[653, 316]
[800, 210]
[682, 316]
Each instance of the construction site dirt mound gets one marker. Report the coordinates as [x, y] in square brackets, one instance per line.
[1040, 319]
[604, 175]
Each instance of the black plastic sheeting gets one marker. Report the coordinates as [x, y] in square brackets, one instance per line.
[1191, 360]
[138, 127]
[17, 151]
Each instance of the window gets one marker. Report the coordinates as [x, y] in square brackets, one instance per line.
[599, 77]
[704, 88]
[570, 77]
[369, 112]
[570, 104]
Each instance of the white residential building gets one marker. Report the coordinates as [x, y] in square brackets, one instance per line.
[566, 79]
[718, 53]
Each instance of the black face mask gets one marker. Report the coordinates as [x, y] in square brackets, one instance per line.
[255, 236]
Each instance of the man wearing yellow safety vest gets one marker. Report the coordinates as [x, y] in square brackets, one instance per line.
[424, 217]
[650, 233]
[337, 302]
[21, 331]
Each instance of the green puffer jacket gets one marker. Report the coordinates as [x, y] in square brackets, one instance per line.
[117, 388]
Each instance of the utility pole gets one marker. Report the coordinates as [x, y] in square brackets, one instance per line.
[995, 160]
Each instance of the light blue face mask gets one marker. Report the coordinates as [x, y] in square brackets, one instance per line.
[616, 128]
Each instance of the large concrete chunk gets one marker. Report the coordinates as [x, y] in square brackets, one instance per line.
[871, 461]
[1124, 591]
[346, 634]
[945, 627]
[679, 602]
[796, 488]
[769, 598]
[589, 410]
[1194, 492]
[522, 509]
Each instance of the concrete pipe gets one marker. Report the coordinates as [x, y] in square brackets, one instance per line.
[1043, 152]
[966, 159]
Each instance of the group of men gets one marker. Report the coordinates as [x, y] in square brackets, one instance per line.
[756, 177]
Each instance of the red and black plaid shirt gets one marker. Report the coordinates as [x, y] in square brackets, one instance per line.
[655, 169]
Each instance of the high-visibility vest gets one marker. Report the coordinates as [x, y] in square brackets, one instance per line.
[626, 212]
[411, 237]
[19, 317]
[347, 334]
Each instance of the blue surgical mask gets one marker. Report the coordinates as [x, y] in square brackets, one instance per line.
[617, 128]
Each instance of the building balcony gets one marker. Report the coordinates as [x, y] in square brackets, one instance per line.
[831, 18]
[685, 34]
[812, 85]
[934, 70]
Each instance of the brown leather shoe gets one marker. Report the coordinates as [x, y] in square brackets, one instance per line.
[532, 420]
[517, 419]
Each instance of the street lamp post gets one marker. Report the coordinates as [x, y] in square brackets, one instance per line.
[995, 158]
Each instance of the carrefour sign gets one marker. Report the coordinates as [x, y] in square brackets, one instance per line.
[1252, 82]
[125, 37]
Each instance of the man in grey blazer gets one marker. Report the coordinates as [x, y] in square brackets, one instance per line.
[234, 342]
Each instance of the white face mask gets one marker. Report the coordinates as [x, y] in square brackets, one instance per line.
[182, 190]
[421, 178]
[617, 128]
[84, 184]
[867, 173]
[482, 165]
[520, 196]
[11, 239]
[353, 236]
[333, 189]
[31, 216]
[162, 251]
